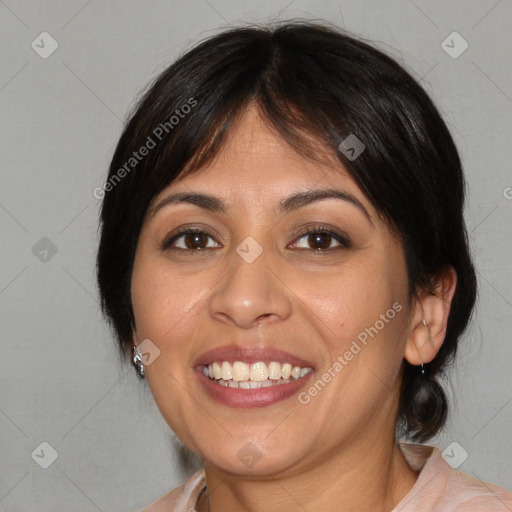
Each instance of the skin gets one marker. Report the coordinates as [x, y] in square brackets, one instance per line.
[338, 451]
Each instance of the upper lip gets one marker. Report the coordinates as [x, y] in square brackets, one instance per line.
[249, 354]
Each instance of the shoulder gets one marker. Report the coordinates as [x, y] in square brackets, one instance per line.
[165, 503]
[441, 488]
[182, 498]
[470, 494]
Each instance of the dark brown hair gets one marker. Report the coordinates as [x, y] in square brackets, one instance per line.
[310, 81]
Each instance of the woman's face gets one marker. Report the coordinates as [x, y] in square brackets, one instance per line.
[335, 301]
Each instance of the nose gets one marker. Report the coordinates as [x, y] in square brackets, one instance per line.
[251, 293]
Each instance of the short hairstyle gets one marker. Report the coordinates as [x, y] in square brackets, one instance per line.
[311, 82]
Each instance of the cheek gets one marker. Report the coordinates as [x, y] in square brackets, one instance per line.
[347, 301]
[360, 314]
[162, 302]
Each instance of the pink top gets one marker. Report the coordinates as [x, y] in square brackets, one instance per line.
[439, 488]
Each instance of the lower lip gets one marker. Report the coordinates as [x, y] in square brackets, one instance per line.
[251, 398]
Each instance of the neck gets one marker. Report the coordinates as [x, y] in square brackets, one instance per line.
[371, 474]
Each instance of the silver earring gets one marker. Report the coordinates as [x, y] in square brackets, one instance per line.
[422, 370]
[137, 361]
[422, 366]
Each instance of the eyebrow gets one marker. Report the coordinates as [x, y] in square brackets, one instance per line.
[287, 205]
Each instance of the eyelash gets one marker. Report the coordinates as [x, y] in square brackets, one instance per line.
[339, 236]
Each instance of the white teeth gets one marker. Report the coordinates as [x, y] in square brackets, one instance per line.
[304, 371]
[253, 376]
[226, 371]
[259, 372]
[256, 372]
[240, 371]
[274, 370]
[286, 370]
[249, 384]
[217, 372]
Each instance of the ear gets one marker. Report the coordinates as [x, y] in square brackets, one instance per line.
[429, 319]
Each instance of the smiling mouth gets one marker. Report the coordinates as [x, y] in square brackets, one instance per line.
[259, 374]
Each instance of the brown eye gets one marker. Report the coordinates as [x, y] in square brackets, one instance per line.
[190, 240]
[322, 240]
[195, 240]
[319, 240]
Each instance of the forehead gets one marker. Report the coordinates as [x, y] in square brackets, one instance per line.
[256, 164]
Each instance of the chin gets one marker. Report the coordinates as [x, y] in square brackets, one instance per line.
[248, 458]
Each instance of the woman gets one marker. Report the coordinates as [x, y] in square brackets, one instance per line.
[283, 249]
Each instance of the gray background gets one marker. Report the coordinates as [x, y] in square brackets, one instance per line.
[60, 378]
